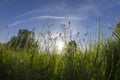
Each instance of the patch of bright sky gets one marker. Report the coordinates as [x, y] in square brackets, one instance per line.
[19, 14]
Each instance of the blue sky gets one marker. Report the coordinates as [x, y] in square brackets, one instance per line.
[83, 14]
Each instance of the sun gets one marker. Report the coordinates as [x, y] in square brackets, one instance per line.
[60, 45]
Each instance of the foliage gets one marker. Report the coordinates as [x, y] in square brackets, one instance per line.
[72, 45]
[117, 30]
[24, 40]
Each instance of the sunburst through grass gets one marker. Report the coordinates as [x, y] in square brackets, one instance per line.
[60, 45]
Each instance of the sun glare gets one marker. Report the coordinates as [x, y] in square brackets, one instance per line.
[60, 45]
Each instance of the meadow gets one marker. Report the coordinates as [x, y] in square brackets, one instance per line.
[20, 59]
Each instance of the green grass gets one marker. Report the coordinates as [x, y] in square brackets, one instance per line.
[44, 66]
[100, 61]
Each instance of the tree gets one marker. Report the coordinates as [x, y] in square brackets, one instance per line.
[13, 42]
[72, 46]
[117, 29]
[71, 49]
[24, 40]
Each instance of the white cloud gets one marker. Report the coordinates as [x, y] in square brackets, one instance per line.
[19, 22]
[57, 17]
[44, 17]
[28, 13]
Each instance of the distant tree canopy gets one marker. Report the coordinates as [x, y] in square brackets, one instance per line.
[72, 46]
[117, 29]
[24, 40]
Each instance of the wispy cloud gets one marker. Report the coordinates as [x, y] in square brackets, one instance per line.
[28, 13]
[57, 17]
[88, 10]
[45, 17]
[4, 3]
[19, 22]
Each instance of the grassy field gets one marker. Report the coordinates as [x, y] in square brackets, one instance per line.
[100, 61]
